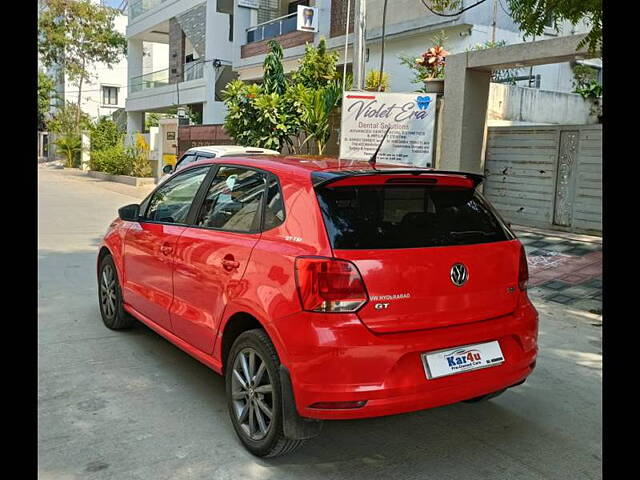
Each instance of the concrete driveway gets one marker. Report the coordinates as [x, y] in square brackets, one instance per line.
[129, 405]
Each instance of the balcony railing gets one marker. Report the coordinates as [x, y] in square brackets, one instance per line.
[272, 28]
[149, 80]
[138, 7]
[193, 70]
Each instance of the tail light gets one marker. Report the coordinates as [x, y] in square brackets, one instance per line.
[523, 270]
[329, 285]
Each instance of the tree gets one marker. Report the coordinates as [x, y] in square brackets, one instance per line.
[74, 35]
[274, 80]
[46, 88]
[317, 68]
[532, 16]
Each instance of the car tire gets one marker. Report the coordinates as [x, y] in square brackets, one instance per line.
[110, 297]
[250, 403]
[484, 398]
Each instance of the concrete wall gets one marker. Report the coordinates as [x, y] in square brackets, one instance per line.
[521, 104]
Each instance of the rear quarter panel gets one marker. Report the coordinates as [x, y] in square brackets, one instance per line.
[269, 285]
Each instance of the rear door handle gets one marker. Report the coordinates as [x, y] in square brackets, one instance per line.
[166, 249]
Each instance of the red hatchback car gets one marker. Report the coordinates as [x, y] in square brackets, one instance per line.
[325, 289]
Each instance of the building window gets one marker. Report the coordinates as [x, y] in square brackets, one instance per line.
[109, 95]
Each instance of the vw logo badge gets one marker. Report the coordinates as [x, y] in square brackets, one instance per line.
[459, 274]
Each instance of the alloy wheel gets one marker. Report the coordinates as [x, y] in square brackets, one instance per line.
[108, 291]
[252, 394]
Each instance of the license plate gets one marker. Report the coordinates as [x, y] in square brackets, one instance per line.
[462, 359]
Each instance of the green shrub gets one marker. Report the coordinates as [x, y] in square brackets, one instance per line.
[104, 134]
[114, 160]
[121, 160]
[69, 146]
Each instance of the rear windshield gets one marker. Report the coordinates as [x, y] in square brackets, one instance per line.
[407, 216]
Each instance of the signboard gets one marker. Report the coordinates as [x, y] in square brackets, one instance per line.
[249, 3]
[307, 18]
[366, 116]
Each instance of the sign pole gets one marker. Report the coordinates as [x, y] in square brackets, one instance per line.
[359, 45]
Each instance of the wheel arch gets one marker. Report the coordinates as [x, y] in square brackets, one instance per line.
[238, 322]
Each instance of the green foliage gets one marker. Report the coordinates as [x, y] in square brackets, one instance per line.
[46, 90]
[372, 81]
[241, 119]
[533, 15]
[585, 82]
[120, 160]
[152, 119]
[74, 35]
[317, 67]
[428, 65]
[113, 160]
[583, 75]
[104, 134]
[274, 80]
[139, 155]
[69, 146]
[507, 76]
[63, 120]
[317, 105]
[273, 115]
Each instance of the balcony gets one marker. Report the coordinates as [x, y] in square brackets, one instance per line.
[156, 79]
[284, 29]
[138, 7]
[191, 71]
[273, 28]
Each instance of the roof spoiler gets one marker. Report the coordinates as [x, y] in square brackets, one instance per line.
[323, 178]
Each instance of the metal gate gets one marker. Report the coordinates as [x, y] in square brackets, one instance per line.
[546, 176]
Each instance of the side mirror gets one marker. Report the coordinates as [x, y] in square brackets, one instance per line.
[129, 213]
[167, 169]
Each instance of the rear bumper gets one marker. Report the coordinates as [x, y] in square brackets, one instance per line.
[335, 358]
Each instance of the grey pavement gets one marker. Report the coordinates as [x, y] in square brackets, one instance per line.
[129, 405]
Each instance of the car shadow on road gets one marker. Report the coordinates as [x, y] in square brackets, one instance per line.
[413, 441]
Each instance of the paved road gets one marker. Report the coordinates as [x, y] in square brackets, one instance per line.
[129, 405]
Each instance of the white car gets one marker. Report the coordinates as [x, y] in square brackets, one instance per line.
[213, 151]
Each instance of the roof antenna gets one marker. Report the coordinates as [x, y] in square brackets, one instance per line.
[372, 160]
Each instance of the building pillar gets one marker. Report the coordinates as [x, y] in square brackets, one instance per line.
[135, 124]
[135, 58]
[176, 51]
[464, 115]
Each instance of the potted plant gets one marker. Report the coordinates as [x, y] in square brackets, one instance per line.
[432, 64]
[428, 68]
[373, 82]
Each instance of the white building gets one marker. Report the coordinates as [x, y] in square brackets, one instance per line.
[105, 92]
[198, 39]
[210, 42]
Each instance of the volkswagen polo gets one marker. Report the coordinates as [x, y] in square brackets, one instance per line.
[324, 289]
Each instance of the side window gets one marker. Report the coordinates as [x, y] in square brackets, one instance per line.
[186, 160]
[171, 202]
[233, 201]
[274, 207]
